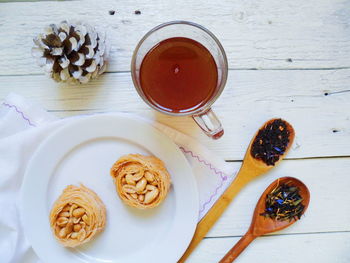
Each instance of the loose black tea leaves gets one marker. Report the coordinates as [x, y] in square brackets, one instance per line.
[271, 142]
[284, 203]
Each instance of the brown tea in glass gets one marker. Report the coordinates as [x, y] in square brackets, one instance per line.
[178, 75]
[180, 68]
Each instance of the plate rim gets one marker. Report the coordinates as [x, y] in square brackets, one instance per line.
[24, 208]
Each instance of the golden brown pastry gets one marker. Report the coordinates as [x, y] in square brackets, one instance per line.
[141, 181]
[77, 216]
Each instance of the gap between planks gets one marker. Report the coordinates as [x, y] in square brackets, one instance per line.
[28, 1]
[233, 69]
[283, 234]
[303, 158]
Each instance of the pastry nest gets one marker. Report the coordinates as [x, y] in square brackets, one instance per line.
[77, 216]
[141, 181]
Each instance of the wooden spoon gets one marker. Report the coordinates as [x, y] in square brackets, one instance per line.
[261, 225]
[250, 169]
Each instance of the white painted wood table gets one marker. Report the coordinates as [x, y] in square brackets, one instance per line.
[288, 59]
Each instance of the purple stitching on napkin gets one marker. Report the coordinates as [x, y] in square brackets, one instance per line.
[211, 167]
[211, 197]
[20, 112]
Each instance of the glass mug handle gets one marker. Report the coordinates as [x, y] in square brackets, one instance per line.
[209, 123]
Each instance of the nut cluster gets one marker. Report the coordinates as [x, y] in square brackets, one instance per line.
[77, 216]
[141, 181]
[72, 222]
[141, 186]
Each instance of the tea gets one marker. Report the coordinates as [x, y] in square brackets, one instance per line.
[284, 202]
[178, 75]
[271, 142]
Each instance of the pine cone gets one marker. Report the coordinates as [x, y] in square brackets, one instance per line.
[71, 52]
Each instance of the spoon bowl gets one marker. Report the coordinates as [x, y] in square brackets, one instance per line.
[261, 225]
[256, 166]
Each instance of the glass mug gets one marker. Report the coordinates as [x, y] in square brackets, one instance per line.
[202, 114]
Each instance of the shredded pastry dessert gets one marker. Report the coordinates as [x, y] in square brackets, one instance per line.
[141, 181]
[77, 216]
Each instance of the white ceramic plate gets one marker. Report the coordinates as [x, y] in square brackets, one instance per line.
[83, 151]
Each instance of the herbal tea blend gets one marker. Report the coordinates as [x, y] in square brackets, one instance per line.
[271, 142]
[284, 203]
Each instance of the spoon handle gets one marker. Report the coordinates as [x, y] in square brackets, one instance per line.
[216, 211]
[244, 176]
[238, 248]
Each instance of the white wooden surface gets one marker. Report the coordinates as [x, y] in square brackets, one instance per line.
[287, 59]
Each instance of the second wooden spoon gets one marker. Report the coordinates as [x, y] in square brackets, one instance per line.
[261, 225]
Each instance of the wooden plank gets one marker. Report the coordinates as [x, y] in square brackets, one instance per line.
[328, 183]
[320, 248]
[250, 98]
[255, 34]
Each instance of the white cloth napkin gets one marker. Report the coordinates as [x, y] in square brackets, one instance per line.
[24, 125]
